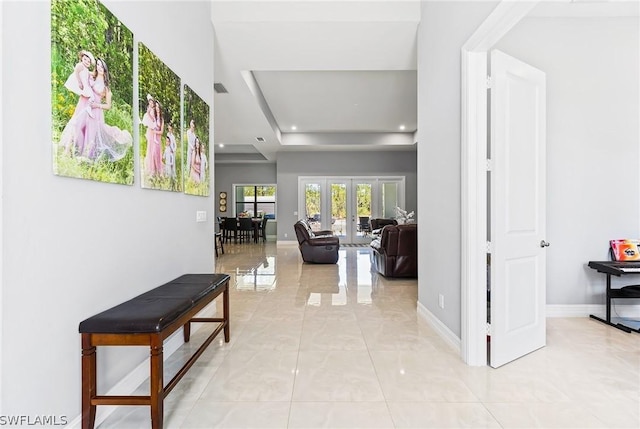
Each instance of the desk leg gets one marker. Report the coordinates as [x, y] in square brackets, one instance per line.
[607, 321]
[157, 383]
[608, 295]
[88, 382]
[615, 325]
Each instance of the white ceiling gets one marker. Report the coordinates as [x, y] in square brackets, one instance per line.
[342, 71]
[363, 101]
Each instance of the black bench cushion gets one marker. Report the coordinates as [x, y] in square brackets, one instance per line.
[154, 310]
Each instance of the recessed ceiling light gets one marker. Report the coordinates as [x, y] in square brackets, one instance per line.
[401, 127]
[293, 127]
[220, 145]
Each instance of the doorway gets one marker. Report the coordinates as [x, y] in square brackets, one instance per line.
[345, 205]
[475, 220]
[351, 204]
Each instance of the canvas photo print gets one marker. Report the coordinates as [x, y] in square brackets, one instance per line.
[91, 88]
[159, 104]
[196, 138]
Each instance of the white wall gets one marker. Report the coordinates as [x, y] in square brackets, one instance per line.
[72, 248]
[292, 165]
[592, 77]
[593, 142]
[444, 28]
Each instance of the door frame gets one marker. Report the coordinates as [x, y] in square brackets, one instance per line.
[324, 181]
[473, 266]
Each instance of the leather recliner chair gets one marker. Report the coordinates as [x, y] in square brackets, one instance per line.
[378, 223]
[320, 247]
[395, 252]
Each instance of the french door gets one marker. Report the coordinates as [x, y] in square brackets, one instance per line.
[351, 205]
[345, 205]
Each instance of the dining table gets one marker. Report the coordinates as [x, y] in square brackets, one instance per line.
[256, 222]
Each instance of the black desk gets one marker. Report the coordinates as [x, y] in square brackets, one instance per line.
[617, 268]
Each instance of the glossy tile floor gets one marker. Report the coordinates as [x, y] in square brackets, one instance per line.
[336, 346]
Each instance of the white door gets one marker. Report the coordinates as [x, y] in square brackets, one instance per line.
[361, 209]
[351, 203]
[339, 201]
[518, 226]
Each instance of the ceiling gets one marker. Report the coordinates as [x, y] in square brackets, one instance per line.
[342, 72]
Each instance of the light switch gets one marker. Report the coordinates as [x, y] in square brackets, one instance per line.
[201, 216]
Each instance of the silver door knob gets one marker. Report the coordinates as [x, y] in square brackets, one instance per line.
[544, 244]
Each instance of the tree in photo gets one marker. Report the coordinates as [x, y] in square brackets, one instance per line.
[196, 137]
[91, 87]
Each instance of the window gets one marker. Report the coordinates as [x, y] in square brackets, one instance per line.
[256, 200]
[312, 205]
[346, 204]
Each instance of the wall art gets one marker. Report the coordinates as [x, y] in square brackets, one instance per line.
[196, 138]
[159, 104]
[91, 92]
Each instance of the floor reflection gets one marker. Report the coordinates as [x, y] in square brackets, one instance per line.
[337, 346]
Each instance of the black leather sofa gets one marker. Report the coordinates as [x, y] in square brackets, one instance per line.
[395, 252]
[320, 247]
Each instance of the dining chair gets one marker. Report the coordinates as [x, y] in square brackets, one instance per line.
[230, 227]
[263, 229]
[220, 222]
[245, 228]
[218, 242]
[363, 225]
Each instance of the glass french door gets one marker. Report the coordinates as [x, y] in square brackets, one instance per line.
[344, 205]
[351, 204]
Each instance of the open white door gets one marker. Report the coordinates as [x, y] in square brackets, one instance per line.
[518, 204]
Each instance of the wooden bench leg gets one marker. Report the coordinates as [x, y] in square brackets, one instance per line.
[88, 382]
[225, 312]
[157, 383]
[186, 331]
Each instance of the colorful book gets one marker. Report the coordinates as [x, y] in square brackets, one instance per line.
[627, 249]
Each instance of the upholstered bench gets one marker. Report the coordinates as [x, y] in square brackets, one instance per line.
[147, 320]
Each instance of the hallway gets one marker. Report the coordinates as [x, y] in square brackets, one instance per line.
[336, 346]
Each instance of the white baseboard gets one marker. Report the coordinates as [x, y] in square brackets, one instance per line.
[445, 333]
[553, 310]
[287, 242]
[135, 378]
[584, 310]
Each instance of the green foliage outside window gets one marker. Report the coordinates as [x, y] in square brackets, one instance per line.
[338, 200]
[312, 199]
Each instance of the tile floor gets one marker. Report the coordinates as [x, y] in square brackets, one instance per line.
[336, 346]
